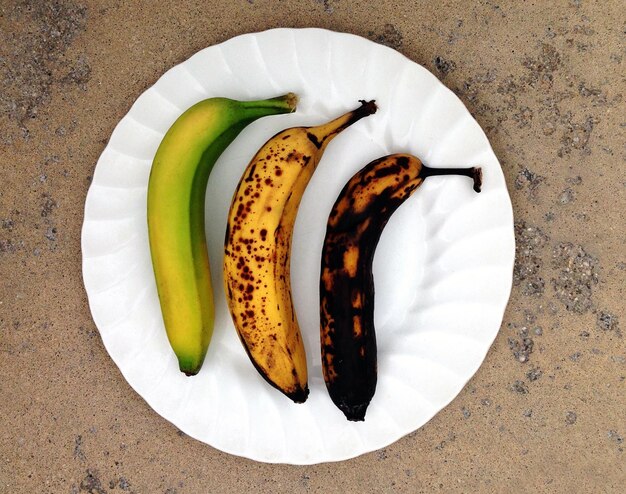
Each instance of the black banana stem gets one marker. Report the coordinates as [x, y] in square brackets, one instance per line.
[366, 108]
[474, 172]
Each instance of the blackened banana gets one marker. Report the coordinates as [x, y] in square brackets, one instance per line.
[348, 340]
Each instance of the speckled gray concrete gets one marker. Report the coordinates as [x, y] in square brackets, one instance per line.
[547, 410]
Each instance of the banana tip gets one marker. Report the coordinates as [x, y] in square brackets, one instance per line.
[299, 395]
[354, 413]
[187, 367]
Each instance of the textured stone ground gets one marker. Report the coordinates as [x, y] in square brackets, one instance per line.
[547, 410]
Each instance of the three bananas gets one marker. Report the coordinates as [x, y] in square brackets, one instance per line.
[257, 246]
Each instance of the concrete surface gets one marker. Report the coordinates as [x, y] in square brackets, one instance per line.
[547, 410]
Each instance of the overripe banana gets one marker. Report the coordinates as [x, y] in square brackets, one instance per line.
[257, 250]
[176, 194]
[358, 217]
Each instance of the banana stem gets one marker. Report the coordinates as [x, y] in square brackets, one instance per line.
[287, 102]
[325, 132]
[474, 172]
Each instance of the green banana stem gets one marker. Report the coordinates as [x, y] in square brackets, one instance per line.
[287, 102]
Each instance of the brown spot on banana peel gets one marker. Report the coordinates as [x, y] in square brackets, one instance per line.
[250, 177]
[313, 138]
[360, 213]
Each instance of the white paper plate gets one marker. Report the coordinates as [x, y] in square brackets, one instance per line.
[443, 268]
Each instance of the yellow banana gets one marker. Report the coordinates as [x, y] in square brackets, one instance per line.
[257, 250]
[176, 194]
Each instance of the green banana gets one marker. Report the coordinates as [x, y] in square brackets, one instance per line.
[176, 196]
